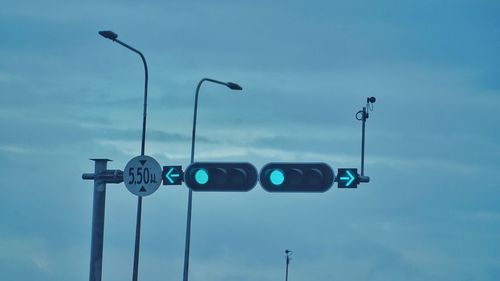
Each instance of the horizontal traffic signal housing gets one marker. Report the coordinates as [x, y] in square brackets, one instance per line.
[220, 176]
[296, 177]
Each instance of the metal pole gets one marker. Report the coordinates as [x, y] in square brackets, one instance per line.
[98, 208]
[113, 36]
[190, 192]
[288, 253]
[137, 239]
[188, 237]
[287, 262]
[363, 142]
[139, 199]
[145, 91]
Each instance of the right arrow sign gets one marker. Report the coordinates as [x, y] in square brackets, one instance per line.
[348, 178]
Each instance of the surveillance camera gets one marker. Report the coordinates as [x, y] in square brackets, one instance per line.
[371, 100]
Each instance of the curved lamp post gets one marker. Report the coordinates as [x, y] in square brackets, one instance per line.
[232, 86]
[113, 36]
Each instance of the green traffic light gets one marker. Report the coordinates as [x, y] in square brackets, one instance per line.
[277, 177]
[201, 176]
[220, 176]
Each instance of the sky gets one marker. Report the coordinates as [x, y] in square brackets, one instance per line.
[430, 211]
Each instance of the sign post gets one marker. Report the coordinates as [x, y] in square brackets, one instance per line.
[101, 176]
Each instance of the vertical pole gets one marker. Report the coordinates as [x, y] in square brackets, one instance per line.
[137, 239]
[185, 274]
[287, 262]
[363, 142]
[188, 237]
[98, 221]
[139, 199]
[190, 192]
[143, 143]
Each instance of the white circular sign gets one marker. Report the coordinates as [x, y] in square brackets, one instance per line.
[142, 175]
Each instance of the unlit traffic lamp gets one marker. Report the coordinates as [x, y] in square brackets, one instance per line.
[220, 176]
[296, 177]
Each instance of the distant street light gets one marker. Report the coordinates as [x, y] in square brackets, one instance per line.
[232, 86]
[113, 36]
[288, 253]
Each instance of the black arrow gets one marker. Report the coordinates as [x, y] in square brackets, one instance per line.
[142, 189]
[142, 162]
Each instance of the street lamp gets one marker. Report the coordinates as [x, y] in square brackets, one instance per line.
[232, 86]
[113, 36]
[288, 253]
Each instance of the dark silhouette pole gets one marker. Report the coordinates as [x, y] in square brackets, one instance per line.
[288, 254]
[232, 86]
[98, 208]
[113, 36]
[362, 115]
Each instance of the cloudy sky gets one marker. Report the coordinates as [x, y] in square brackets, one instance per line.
[430, 212]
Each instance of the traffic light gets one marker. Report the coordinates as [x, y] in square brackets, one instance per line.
[296, 177]
[220, 176]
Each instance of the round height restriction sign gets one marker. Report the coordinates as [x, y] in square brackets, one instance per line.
[142, 175]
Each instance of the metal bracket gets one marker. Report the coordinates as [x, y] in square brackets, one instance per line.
[108, 176]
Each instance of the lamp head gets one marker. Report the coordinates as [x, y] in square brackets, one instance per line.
[233, 86]
[108, 34]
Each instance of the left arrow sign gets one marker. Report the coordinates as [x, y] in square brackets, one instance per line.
[172, 175]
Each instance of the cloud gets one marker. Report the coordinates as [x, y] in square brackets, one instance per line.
[42, 263]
